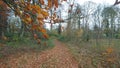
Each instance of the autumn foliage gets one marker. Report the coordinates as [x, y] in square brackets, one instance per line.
[33, 13]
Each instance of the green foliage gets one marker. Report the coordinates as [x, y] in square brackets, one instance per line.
[29, 43]
[117, 36]
[62, 38]
[53, 33]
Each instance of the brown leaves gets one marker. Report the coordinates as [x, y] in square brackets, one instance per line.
[41, 2]
[45, 36]
[40, 16]
[27, 19]
[35, 27]
[56, 3]
[36, 8]
[45, 13]
[52, 3]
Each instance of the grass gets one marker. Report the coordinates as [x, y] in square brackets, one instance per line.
[25, 45]
[92, 55]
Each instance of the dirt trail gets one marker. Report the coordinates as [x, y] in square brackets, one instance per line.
[58, 57]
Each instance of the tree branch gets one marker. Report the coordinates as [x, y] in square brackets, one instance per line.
[116, 2]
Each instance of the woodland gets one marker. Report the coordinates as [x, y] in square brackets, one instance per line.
[59, 34]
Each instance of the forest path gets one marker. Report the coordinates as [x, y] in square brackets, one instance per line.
[57, 57]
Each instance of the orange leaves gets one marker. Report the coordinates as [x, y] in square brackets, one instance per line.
[43, 30]
[109, 50]
[29, 7]
[27, 19]
[40, 16]
[52, 3]
[45, 36]
[45, 13]
[36, 8]
[35, 27]
[108, 55]
[41, 2]
[34, 13]
[56, 3]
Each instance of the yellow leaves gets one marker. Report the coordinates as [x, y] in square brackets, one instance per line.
[108, 55]
[109, 50]
[27, 19]
[45, 13]
[4, 38]
[22, 1]
[43, 30]
[21, 12]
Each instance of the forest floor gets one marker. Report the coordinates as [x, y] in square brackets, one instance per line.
[57, 57]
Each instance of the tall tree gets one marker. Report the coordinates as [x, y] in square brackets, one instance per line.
[97, 23]
[3, 18]
[109, 15]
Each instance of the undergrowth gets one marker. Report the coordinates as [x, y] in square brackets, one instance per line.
[90, 54]
[24, 45]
